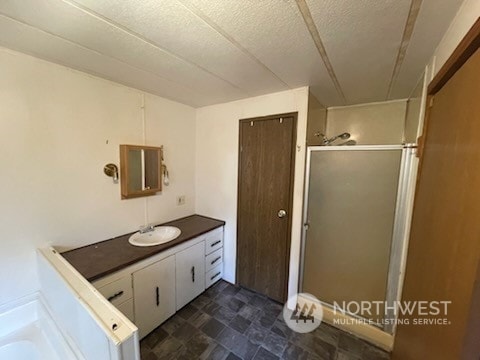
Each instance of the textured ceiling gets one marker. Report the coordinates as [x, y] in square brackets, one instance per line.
[202, 52]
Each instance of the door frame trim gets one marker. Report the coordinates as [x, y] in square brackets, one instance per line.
[466, 48]
[294, 115]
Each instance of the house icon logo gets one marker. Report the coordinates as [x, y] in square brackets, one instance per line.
[303, 313]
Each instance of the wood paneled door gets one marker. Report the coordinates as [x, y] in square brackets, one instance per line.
[265, 192]
[444, 250]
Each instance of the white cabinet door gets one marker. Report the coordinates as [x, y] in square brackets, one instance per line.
[154, 294]
[190, 274]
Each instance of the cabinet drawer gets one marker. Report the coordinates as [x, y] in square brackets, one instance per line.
[213, 241]
[213, 259]
[213, 275]
[119, 291]
[127, 309]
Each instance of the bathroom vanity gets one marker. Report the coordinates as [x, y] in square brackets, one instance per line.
[149, 284]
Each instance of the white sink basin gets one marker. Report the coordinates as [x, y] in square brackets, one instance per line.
[160, 235]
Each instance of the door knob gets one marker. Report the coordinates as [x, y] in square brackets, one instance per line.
[282, 213]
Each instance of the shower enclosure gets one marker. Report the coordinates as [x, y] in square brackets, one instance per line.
[357, 212]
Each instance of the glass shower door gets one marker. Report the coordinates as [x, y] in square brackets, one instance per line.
[350, 210]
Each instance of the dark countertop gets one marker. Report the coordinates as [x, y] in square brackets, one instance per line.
[105, 257]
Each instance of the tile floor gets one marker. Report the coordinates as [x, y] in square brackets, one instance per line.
[228, 322]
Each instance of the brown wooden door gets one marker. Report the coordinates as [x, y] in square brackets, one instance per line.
[444, 248]
[265, 184]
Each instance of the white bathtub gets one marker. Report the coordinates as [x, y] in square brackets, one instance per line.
[27, 332]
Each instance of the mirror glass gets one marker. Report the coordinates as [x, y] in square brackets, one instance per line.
[140, 170]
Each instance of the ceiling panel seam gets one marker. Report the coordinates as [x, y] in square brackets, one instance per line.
[150, 42]
[415, 6]
[312, 28]
[207, 20]
[99, 53]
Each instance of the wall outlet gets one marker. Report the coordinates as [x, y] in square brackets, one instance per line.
[181, 200]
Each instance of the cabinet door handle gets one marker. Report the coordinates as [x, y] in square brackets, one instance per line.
[158, 296]
[193, 273]
[114, 296]
[216, 243]
[214, 261]
[214, 276]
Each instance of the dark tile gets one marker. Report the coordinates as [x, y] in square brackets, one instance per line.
[198, 343]
[266, 320]
[256, 333]
[231, 339]
[211, 308]
[314, 345]
[272, 308]
[249, 312]
[350, 344]
[185, 332]
[239, 323]
[232, 356]
[217, 353]
[305, 341]
[187, 311]
[237, 343]
[183, 354]
[235, 305]
[168, 348]
[212, 292]
[371, 352]
[275, 343]
[230, 302]
[294, 352]
[244, 295]
[328, 334]
[199, 319]
[280, 328]
[342, 355]
[230, 290]
[311, 356]
[155, 337]
[172, 324]
[224, 315]
[212, 327]
[257, 301]
[201, 301]
[250, 351]
[263, 354]
[323, 349]
[147, 354]
[220, 285]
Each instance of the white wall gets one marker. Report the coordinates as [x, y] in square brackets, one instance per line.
[55, 125]
[379, 123]
[466, 16]
[217, 165]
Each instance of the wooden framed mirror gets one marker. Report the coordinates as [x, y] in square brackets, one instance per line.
[140, 170]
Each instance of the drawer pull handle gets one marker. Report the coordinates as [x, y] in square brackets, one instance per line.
[193, 273]
[214, 261]
[214, 276]
[158, 296]
[216, 243]
[114, 296]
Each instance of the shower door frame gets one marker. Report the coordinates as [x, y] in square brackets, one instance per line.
[401, 225]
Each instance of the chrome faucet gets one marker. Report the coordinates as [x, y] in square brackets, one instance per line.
[146, 228]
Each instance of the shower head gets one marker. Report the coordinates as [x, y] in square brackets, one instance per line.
[343, 136]
[349, 142]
